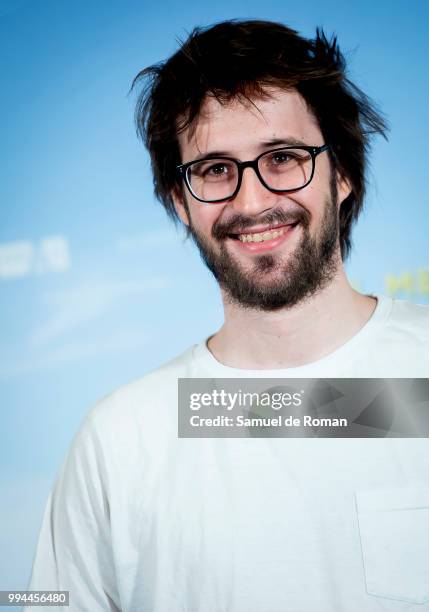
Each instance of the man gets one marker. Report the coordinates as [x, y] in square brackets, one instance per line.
[258, 144]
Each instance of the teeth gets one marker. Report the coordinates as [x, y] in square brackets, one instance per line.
[261, 236]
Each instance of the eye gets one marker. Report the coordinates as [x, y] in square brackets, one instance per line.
[281, 157]
[213, 169]
[219, 169]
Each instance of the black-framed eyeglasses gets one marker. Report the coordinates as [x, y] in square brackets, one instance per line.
[216, 179]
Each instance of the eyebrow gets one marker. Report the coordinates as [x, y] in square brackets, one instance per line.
[287, 141]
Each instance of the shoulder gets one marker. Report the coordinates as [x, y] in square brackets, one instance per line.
[126, 435]
[149, 386]
[409, 319]
[142, 407]
[403, 339]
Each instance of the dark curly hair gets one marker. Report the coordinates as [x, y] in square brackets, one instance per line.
[240, 60]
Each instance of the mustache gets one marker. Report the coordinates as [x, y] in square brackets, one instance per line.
[238, 223]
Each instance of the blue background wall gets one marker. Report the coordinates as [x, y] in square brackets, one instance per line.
[96, 286]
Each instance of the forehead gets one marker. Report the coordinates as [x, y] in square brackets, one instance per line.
[239, 127]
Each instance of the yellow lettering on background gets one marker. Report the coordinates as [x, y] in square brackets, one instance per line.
[395, 284]
[423, 282]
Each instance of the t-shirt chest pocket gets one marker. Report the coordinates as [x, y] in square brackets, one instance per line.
[394, 533]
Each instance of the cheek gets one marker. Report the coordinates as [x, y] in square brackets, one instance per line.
[204, 216]
[311, 198]
[314, 197]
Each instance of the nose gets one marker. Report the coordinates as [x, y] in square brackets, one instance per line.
[253, 198]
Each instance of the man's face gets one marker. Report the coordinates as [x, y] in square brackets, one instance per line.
[282, 271]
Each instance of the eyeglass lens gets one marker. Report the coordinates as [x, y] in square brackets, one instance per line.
[283, 169]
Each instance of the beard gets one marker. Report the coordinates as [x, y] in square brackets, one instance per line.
[271, 282]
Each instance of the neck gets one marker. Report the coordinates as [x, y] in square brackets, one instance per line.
[295, 336]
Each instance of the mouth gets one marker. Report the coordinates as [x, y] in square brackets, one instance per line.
[262, 239]
[263, 235]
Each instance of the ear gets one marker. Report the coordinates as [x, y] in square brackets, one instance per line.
[178, 196]
[343, 188]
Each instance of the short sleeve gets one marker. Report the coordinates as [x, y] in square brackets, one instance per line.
[74, 551]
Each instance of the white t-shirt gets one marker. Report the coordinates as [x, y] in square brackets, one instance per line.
[140, 520]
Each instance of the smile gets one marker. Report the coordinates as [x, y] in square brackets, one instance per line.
[255, 242]
[263, 235]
